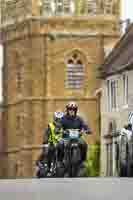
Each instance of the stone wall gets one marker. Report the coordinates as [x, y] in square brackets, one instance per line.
[119, 115]
[35, 52]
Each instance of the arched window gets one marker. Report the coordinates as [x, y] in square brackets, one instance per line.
[74, 72]
[108, 6]
[64, 6]
[57, 7]
[91, 6]
[46, 7]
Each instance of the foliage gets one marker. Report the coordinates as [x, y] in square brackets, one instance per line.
[92, 164]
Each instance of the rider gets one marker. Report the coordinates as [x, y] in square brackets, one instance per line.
[72, 121]
[52, 136]
[127, 131]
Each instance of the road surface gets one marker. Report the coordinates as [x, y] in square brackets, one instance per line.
[66, 189]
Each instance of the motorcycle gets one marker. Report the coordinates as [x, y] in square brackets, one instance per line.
[125, 156]
[72, 157]
[46, 168]
[51, 167]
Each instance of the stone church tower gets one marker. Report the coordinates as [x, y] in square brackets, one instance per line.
[52, 50]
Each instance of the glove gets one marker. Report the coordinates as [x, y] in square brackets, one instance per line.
[40, 165]
[60, 140]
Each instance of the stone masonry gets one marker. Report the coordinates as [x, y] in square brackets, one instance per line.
[35, 53]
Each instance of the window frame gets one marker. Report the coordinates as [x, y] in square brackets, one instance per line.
[108, 6]
[112, 89]
[92, 5]
[74, 73]
[125, 88]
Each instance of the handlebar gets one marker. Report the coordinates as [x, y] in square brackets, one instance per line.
[81, 131]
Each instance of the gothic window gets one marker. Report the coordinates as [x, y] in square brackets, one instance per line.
[67, 6]
[108, 6]
[91, 6]
[64, 6]
[46, 7]
[74, 72]
[57, 7]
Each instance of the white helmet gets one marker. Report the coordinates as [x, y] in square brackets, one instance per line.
[58, 116]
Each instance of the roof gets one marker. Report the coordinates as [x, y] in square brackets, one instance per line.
[121, 57]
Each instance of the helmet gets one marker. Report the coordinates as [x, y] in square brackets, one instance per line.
[72, 106]
[58, 116]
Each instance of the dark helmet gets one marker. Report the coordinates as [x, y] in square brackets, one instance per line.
[72, 106]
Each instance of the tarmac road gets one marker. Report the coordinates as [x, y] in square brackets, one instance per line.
[67, 188]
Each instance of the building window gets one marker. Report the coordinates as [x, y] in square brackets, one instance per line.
[67, 6]
[57, 7]
[91, 6]
[108, 7]
[64, 6]
[46, 7]
[74, 72]
[112, 94]
[125, 88]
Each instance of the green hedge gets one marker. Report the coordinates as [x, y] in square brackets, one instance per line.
[92, 164]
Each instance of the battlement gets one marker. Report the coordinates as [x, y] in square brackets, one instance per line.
[17, 10]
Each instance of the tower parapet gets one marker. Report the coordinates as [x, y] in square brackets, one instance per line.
[13, 11]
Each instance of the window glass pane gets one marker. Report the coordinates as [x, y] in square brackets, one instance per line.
[125, 88]
[108, 7]
[113, 94]
[108, 93]
[46, 7]
[74, 73]
[91, 6]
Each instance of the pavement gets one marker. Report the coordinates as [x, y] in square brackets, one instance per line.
[67, 188]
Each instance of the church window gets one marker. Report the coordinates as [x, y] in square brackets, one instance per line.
[91, 6]
[66, 6]
[74, 72]
[108, 7]
[46, 7]
[57, 7]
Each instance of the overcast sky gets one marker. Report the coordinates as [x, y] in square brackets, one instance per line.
[127, 7]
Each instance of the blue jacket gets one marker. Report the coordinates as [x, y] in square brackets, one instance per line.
[76, 122]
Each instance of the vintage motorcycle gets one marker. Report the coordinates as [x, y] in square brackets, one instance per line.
[72, 153]
[125, 156]
[52, 167]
